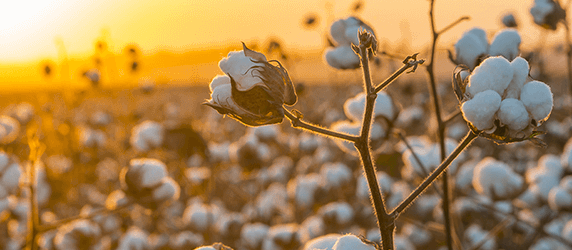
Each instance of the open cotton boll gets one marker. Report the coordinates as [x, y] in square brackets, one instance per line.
[147, 135]
[513, 113]
[341, 213]
[10, 179]
[282, 236]
[168, 190]
[567, 230]
[311, 228]
[342, 57]
[541, 9]
[559, 198]
[338, 32]
[219, 80]
[350, 241]
[496, 179]
[336, 174]
[303, 188]
[237, 65]
[471, 45]
[252, 235]
[520, 69]
[325, 242]
[494, 73]
[354, 107]
[480, 110]
[134, 238]
[146, 172]
[506, 43]
[545, 176]
[537, 98]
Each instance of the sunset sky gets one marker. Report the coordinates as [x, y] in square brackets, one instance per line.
[29, 29]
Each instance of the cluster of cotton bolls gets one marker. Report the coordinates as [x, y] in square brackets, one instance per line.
[500, 90]
[345, 33]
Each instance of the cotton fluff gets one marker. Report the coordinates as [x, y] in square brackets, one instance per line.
[496, 179]
[147, 135]
[9, 129]
[545, 176]
[134, 238]
[341, 213]
[513, 114]
[480, 110]
[559, 198]
[311, 228]
[342, 57]
[345, 32]
[537, 98]
[472, 44]
[252, 235]
[354, 107]
[325, 242]
[541, 9]
[520, 68]
[506, 43]
[237, 65]
[336, 175]
[349, 241]
[494, 73]
[303, 188]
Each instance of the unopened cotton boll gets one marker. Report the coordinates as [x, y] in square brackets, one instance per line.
[480, 110]
[494, 73]
[513, 113]
[471, 45]
[520, 73]
[506, 43]
[342, 57]
[537, 98]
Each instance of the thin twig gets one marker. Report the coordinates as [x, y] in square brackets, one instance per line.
[410, 61]
[36, 151]
[419, 162]
[568, 53]
[451, 117]
[441, 125]
[436, 173]
[298, 123]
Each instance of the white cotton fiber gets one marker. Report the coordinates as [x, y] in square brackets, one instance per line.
[540, 9]
[471, 45]
[537, 98]
[237, 65]
[342, 57]
[513, 114]
[559, 198]
[520, 67]
[494, 73]
[338, 33]
[496, 179]
[480, 110]
[218, 81]
[351, 242]
[506, 43]
[354, 107]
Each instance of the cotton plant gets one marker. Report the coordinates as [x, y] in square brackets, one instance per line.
[345, 33]
[473, 47]
[499, 99]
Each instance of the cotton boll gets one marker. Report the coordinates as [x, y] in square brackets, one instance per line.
[302, 189]
[9, 129]
[219, 80]
[506, 43]
[521, 68]
[237, 64]
[471, 46]
[541, 9]
[348, 128]
[567, 230]
[509, 21]
[349, 241]
[566, 158]
[10, 179]
[342, 57]
[336, 175]
[480, 110]
[282, 236]
[338, 33]
[338, 213]
[537, 98]
[311, 228]
[325, 242]
[496, 179]
[147, 135]
[134, 238]
[513, 113]
[559, 198]
[252, 235]
[168, 190]
[494, 73]
[417, 235]
[145, 173]
[354, 107]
